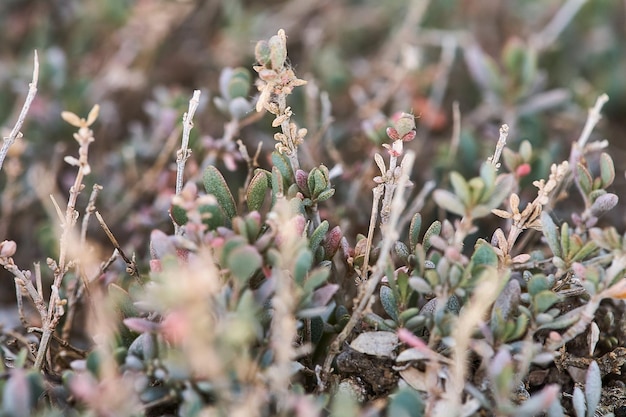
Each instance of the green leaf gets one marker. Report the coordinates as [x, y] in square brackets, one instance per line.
[585, 251]
[281, 162]
[179, 215]
[544, 300]
[416, 323]
[488, 175]
[478, 191]
[460, 186]
[607, 170]
[414, 231]
[278, 51]
[302, 266]
[389, 302]
[325, 195]
[505, 185]
[518, 330]
[511, 159]
[317, 329]
[406, 402]
[537, 283]
[321, 183]
[318, 235]
[449, 201]
[257, 189]
[278, 184]
[551, 233]
[408, 314]
[94, 361]
[244, 261]
[239, 83]
[316, 277]
[215, 184]
[230, 245]
[433, 229]
[526, 150]
[212, 216]
[484, 255]
[565, 239]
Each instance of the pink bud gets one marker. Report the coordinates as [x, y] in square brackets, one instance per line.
[301, 179]
[523, 170]
[404, 124]
[392, 133]
[333, 239]
[156, 266]
[7, 248]
[409, 136]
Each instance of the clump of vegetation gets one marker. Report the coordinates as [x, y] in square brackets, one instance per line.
[492, 289]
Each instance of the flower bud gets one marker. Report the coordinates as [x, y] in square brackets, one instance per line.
[7, 248]
[404, 124]
[523, 170]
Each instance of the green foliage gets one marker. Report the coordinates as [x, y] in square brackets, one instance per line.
[259, 302]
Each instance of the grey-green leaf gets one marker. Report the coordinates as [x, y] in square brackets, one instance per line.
[389, 302]
[414, 231]
[460, 186]
[449, 201]
[551, 233]
[215, 184]
[433, 229]
[257, 189]
[243, 261]
[607, 170]
[593, 388]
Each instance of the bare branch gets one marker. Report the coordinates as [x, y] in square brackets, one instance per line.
[16, 133]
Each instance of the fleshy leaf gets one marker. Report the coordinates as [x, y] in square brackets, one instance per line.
[433, 229]
[318, 235]
[406, 402]
[544, 300]
[551, 233]
[243, 261]
[607, 170]
[257, 189]
[460, 186]
[389, 302]
[414, 231]
[593, 388]
[448, 201]
[215, 184]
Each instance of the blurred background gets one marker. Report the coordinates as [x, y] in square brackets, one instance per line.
[537, 65]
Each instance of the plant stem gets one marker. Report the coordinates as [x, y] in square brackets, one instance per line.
[184, 152]
[15, 133]
[367, 291]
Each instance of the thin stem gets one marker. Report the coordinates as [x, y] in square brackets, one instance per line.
[15, 133]
[377, 191]
[184, 152]
[504, 133]
[593, 118]
[390, 236]
[20, 303]
[553, 29]
[390, 187]
[131, 265]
